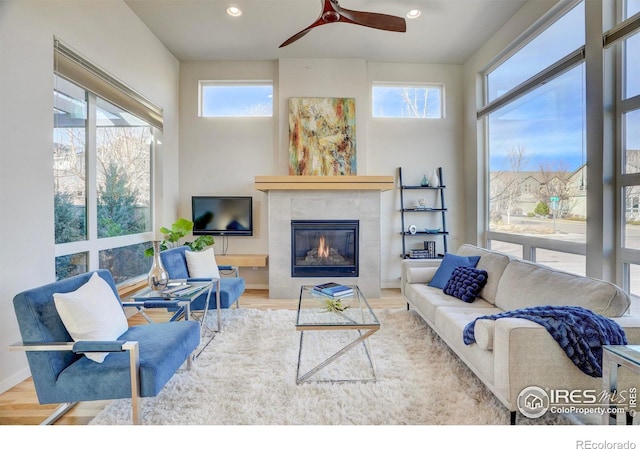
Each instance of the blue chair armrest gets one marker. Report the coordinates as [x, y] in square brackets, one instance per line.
[80, 347]
[226, 267]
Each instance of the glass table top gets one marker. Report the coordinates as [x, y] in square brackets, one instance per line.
[316, 310]
[628, 352]
[184, 291]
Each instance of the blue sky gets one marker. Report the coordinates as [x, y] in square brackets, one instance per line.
[549, 122]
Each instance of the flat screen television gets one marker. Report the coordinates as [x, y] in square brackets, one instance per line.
[222, 215]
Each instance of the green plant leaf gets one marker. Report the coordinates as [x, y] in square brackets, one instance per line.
[181, 228]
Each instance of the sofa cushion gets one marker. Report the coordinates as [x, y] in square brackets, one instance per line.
[465, 283]
[420, 275]
[157, 364]
[92, 312]
[491, 262]
[450, 323]
[427, 300]
[449, 263]
[526, 284]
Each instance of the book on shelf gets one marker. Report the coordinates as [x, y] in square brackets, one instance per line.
[334, 290]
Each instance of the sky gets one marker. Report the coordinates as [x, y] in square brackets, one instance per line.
[549, 122]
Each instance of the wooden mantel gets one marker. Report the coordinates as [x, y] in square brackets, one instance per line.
[266, 183]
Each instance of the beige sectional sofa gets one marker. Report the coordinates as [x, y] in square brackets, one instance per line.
[511, 354]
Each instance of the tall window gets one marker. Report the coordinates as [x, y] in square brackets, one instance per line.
[628, 44]
[102, 175]
[535, 121]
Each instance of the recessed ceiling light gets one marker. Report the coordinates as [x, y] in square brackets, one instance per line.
[413, 14]
[234, 11]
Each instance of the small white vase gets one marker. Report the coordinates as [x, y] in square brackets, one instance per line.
[435, 180]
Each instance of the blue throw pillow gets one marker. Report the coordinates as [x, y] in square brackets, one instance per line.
[449, 263]
[466, 283]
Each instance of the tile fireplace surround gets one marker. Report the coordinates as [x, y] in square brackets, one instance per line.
[323, 198]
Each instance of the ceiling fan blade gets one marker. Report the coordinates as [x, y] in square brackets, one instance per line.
[373, 20]
[319, 21]
[295, 37]
[332, 12]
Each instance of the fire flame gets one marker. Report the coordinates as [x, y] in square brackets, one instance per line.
[323, 249]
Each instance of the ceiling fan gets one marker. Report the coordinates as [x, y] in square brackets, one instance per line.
[332, 12]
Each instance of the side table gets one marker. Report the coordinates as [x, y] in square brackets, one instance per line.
[614, 356]
[180, 301]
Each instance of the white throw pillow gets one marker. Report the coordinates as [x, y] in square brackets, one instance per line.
[202, 264]
[92, 312]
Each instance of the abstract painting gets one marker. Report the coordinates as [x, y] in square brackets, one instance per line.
[322, 136]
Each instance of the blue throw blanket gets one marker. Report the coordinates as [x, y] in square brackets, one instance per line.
[581, 333]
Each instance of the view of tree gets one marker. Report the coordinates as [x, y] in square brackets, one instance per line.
[554, 180]
[541, 209]
[505, 185]
[117, 204]
[70, 219]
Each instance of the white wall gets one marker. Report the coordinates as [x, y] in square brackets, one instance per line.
[419, 147]
[112, 37]
[222, 156]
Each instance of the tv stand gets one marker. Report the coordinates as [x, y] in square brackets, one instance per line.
[243, 260]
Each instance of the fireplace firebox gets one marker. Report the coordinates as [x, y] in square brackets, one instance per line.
[324, 248]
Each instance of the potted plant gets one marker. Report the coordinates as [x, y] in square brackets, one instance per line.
[180, 229]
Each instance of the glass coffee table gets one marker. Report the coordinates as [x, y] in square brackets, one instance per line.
[319, 312]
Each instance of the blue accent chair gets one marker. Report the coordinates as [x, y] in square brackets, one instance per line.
[140, 363]
[227, 290]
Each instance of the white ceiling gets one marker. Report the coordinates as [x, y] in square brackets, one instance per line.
[447, 32]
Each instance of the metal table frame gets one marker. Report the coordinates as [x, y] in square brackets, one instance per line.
[142, 301]
[365, 330]
[614, 356]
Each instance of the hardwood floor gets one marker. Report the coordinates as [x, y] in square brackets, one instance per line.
[19, 405]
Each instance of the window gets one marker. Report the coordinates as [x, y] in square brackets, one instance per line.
[535, 121]
[631, 7]
[227, 99]
[408, 101]
[537, 152]
[560, 39]
[102, 175]
[629, 118]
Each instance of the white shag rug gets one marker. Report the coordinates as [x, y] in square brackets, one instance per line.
[247, 375]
